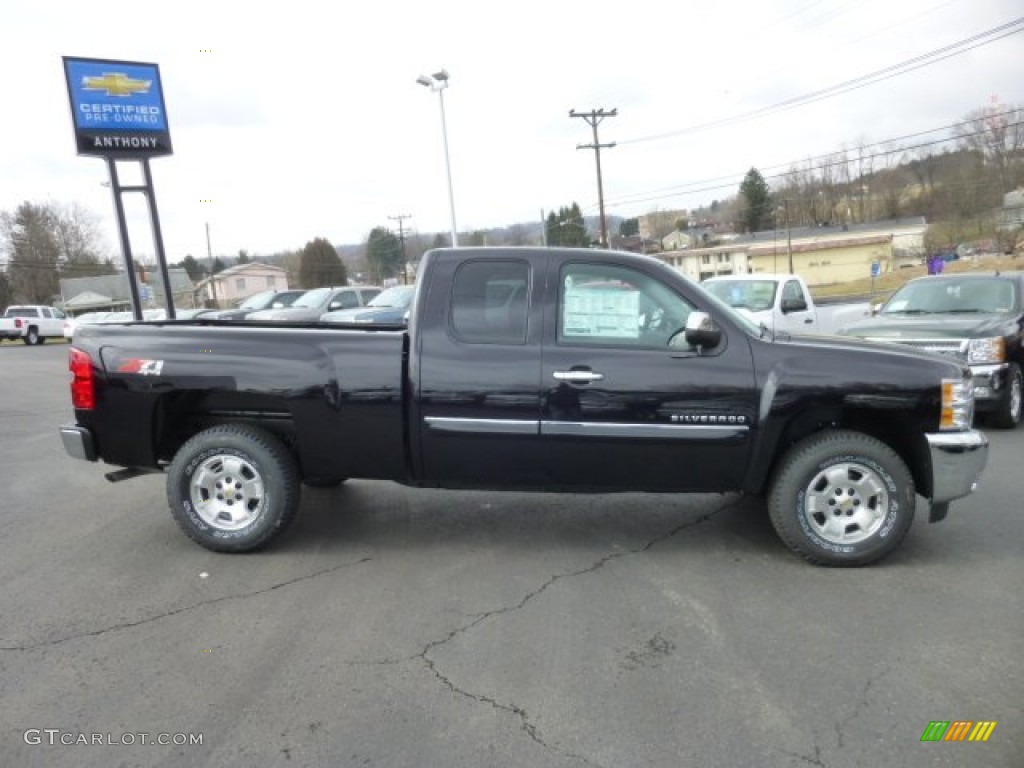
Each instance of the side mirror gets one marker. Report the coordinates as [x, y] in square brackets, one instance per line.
[876, 308]
[701, 331]
[793, 305]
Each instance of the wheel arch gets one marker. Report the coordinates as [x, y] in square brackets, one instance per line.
[897, 429]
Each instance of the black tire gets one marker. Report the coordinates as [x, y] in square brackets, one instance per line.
[1008, 415]
[233, 488]
[31, 338]
[841, 498]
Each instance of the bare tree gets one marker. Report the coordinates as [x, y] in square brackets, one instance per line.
[997, 133]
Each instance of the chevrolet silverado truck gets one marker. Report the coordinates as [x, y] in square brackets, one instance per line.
[32, 323]
[566, 370]
[976, 318]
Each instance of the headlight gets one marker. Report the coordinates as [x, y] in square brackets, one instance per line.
[991, 350]
[957, 404]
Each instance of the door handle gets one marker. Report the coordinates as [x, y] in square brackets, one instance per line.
[578, 377]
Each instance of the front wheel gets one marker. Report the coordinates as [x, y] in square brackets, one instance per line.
[233, 488]
[842, 498]
[1008, 414]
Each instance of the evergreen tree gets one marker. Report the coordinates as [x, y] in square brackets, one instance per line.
[757, 202]
[384, 253]
[34, 253]
[6, 294]
[567, 229]
[192, 267]
[629, 227]
[320, 265]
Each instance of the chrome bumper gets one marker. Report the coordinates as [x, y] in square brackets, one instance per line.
[958, 459]
[78, 442]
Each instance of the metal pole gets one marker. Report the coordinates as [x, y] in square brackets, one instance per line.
[122, 233]
[448, 166]
[158, 240]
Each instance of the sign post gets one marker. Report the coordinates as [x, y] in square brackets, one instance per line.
[118, 113]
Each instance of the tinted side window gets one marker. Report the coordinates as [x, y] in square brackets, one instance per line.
[490, 301]
[345, 300]
[792, 290]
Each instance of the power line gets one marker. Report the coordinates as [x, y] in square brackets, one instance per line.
[830, 159]
[872, 78]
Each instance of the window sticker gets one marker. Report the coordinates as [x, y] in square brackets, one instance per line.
[591, 312]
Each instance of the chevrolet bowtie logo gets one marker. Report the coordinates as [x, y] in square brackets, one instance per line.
[116, 84]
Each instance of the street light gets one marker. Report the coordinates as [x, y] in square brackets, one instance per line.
[438, 82]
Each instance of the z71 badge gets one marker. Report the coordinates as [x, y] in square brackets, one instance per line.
[143, 367]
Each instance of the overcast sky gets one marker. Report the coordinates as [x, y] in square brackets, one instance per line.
[303, 119]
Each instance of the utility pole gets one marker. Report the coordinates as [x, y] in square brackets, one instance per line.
[593, 117]
[789, 239]
[400, 218]
[209, 260]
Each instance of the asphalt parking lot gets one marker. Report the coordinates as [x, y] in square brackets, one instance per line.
[401, 627]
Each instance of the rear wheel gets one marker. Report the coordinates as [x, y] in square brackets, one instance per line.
[1008, 415]
[31, 338]
[842, 498]
[233, 488]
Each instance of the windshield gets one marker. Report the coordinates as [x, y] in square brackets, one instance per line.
[257, 301]
[755, 295]
[313, 299]
[398, 296]
[956, 295]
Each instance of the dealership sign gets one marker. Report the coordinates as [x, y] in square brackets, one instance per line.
[117, 108]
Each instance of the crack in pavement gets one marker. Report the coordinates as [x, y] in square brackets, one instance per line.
[525, 723]
[816, 760]
[184, 609]
[860, 706]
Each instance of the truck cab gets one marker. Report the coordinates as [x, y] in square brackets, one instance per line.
[782, 302]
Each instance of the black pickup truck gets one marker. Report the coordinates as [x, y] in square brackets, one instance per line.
[532, 369]
[974, 317]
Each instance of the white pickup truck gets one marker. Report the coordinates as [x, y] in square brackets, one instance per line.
[32, 323]
[782, 302]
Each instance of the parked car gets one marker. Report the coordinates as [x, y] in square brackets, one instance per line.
[257, 303]
[72, 323]
[32, 323]
[976, 318]
[389, 306]
[308, 307]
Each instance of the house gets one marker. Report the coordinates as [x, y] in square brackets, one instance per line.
[231, 286]
[821, 255]
[112, 292]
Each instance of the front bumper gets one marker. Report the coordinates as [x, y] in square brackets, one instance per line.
[989, 384]
[78, 442]
[958, 459]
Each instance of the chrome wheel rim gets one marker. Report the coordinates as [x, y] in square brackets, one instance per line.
[846, 503]
[227, 492]
[1015, 398]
